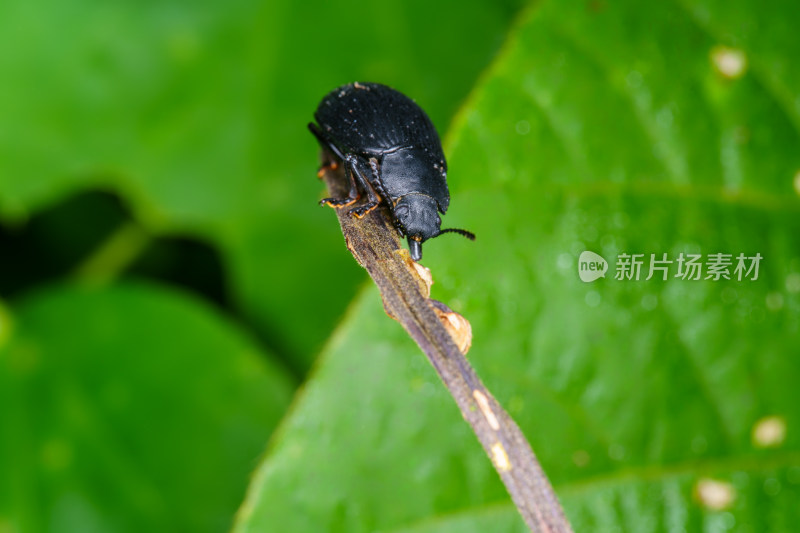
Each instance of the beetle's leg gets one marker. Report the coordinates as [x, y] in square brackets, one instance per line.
[376, 183]
[363, 210]
[326, 145]
[332, 166]
[352, 194]
[324, 141]
[373, 198]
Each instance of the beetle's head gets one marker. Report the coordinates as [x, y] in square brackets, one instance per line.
[418, 217]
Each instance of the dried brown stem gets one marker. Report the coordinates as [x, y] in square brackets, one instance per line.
[374, 243]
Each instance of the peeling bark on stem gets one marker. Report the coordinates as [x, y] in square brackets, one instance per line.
[375, 244]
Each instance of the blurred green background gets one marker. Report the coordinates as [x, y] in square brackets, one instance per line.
[180, 321]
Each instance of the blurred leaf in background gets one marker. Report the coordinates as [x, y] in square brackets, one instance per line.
[168, 140]
[130, 408]
[196, 114]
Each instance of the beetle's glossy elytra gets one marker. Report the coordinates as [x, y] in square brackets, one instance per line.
[390, 151]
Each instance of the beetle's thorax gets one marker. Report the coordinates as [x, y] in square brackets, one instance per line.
[412, 170]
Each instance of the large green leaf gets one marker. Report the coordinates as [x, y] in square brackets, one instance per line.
[618, 128]
[196, 113]
[130, 408]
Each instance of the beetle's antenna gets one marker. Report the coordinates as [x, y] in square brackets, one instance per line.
[468, 234]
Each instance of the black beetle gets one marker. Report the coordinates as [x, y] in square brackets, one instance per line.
[390, 148]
